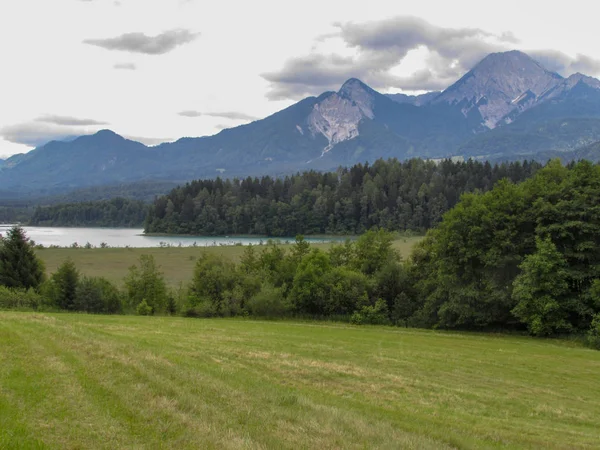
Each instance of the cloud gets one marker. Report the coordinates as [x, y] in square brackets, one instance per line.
[190, 114]
[149, 45]
[49, 127]
[36, 134]
[233, 115]
[125, 66]
[311, 75]
[378, 47]
[564, 64]
[68, 121]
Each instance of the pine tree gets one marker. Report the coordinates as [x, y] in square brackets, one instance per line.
[19, 266]
[65, 281]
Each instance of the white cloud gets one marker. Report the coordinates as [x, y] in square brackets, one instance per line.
[233, 115]
[125, 66]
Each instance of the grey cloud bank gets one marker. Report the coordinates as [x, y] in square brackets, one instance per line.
[141, 43]
[382, 45]
[47, 128]
[69, 121]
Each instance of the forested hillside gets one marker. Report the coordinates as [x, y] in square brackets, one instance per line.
[118, 212]
[394, 195]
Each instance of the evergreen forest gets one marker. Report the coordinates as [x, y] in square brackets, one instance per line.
[390, 194]
[116, 212]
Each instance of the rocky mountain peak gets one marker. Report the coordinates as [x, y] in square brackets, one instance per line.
[570, 86]
[338, 115]
[498, 84]
[359, 93]
[581, 78]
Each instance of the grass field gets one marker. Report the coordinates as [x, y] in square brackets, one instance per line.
[177, 263]
[80, 381]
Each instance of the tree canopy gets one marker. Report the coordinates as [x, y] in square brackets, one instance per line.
[520, 254]
[410, 195]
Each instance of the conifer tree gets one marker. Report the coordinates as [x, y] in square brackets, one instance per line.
[65, 281]
[19, 266]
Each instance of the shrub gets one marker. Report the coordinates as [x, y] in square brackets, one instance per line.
[372, 314]
[213, 281]
[593, 335]
[19, 298]
[143, 309]
[97, 295]
[269, 302]
[147, 283]
[171, 304]
[203, 308]
[346, 292]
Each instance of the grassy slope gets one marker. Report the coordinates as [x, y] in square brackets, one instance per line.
[77, 381]
[177, 263]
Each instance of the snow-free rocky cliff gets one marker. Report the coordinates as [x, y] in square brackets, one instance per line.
[338, 115]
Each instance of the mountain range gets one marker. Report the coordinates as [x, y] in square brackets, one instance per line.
[507, 107]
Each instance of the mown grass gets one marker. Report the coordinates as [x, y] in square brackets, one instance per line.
[177, 263]
[77, 381]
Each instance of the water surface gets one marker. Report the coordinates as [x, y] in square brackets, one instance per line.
[129, 237]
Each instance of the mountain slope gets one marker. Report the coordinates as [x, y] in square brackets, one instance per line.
[508, 106]
[88, 160]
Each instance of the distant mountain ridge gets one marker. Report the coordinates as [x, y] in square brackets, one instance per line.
[508, 106]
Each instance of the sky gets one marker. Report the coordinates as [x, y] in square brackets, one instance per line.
[158, 70]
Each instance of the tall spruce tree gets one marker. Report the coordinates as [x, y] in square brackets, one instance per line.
[64, 285]
[19, 266]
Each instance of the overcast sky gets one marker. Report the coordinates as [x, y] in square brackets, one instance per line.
[157, 70]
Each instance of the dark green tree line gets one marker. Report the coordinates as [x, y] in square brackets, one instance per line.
[117, 212]
[394, 195]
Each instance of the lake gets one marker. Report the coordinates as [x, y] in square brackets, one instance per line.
[128, 237]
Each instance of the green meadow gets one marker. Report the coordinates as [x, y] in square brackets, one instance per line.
[176, 263]
[74, 381]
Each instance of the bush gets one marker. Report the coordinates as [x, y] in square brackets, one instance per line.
[214, 280]
[147, 283]
[346, 292]
[269, 302]
[203, 308]
[143, 309]
[97, 295]
[372, 315]
[593, 335]
[19, 299]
